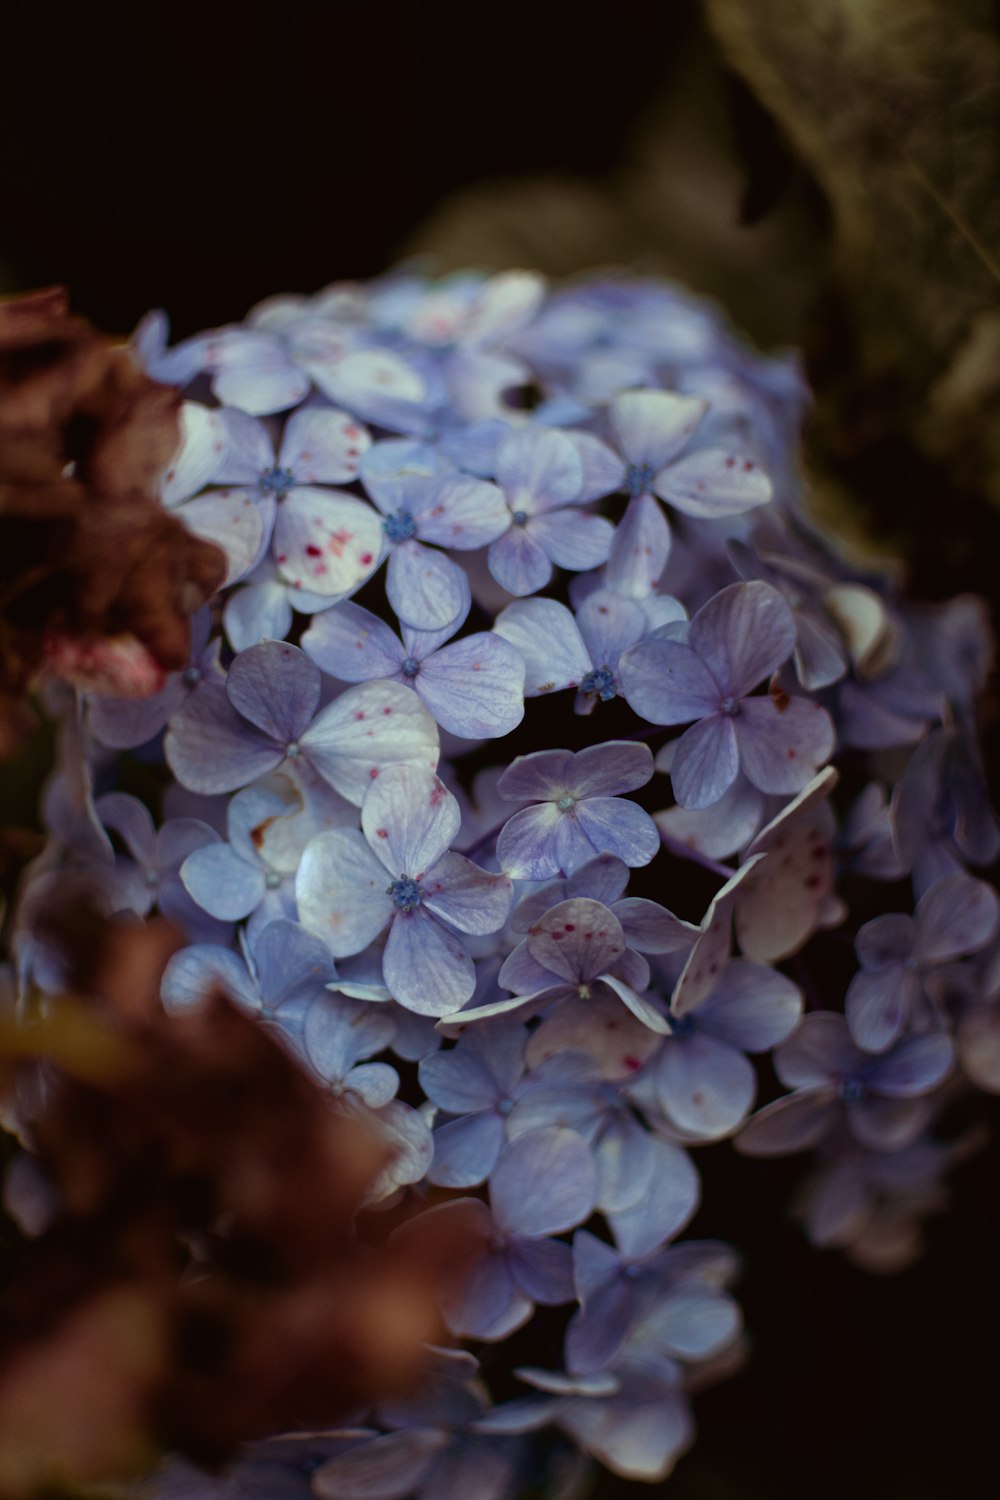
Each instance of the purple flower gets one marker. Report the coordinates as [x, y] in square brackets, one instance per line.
[474, 687]
[543, 1184]
[651, 429]
[408, 821]
[159, 855]
[648, 927]
[560, 651]
[337, 1034]
[225, 738]
[478, 1081]
[541, 474]
[576, 812]
[941, 815]
[278, 977]
[955, 917]
[883, 1100]
[423, 500]
[701, 1079]
[576, 951]
[680, 1287]
[230, 519]
[235, 879]
[734, 641]
[325, 542]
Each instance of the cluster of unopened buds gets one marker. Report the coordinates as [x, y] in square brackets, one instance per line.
[501, 557]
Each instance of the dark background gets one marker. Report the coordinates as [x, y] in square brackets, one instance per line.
[202, 156]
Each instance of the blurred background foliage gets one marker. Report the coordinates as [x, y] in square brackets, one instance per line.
[827, 171]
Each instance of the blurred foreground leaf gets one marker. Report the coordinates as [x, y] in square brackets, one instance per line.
[895, 107]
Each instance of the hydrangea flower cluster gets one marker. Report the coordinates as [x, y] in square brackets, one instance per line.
[542, 942]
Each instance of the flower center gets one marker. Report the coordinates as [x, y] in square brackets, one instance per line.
[681, 1025]
[566, 803]
[851, 1090]
[410, 667]
[519, 517]
[730, 706]
[638, 478]
[276, 482]
[400, 527]
[405, 893]
[600, 681]
[151, 878]
[191, 677]
[292, 750]
[272, 880]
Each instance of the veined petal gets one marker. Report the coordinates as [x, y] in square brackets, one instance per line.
[578, 940]
[538, 469]
[475, 687]
[519, 563]
[640, 549]
[743, 634]
[713, 482]
[473, 900]
[526, 845]
[706, 762]
[369, 727]
[571, 538]
[545, 635]
[666, 682]
[609, 625]
[323, 446]
[651, 426]
[545, 1182]
[614, 826]
[409, 818]
[210, 748]
[705, 1086]
[425, 588]
[326, 541]
[783, 743]
[340, 891]
[426, 968]
[674, 1194]
[222, 884]
[276, 687]
[353, 644]
[465, 513]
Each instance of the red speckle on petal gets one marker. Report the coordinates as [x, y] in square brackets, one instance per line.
[383, 833]
[632, 1063]
[792, 754]
[360, 714]
[569, 927]
[387, 710]
[373, 772]
[747, 467]
[282, 557]
[366, 558]
[312, 551]
[557, 937]
[730, 463]
[338, 541]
